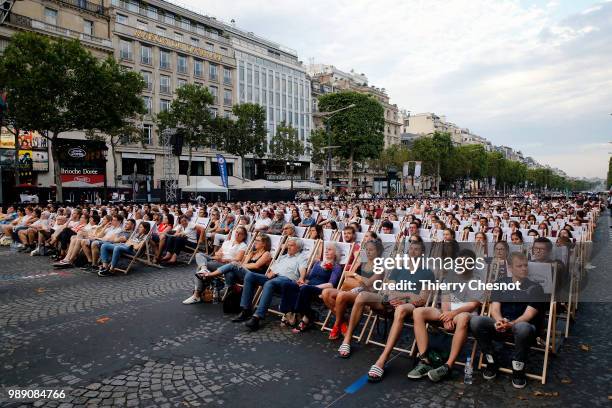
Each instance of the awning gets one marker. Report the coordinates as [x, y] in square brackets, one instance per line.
[204, 185]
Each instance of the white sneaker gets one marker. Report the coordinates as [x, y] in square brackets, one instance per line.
[35, 252]
[191, 300]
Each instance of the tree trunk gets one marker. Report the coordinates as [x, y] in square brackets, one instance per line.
[59, 197]
[189, 164]
[112, 146]
[350, 173]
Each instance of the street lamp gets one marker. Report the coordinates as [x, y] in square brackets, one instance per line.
[328, 115]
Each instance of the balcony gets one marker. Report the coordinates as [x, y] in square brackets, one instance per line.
[90, 6]
[28, 23]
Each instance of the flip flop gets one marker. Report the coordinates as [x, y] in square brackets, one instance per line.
[375, 374]
[344, 351]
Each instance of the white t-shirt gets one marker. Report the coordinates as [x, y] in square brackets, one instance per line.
[263, 222]
[111, 232]
[231, 248]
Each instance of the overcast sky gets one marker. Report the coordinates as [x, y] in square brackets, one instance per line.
[533, 75]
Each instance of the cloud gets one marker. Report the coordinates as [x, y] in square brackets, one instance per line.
[512, 72]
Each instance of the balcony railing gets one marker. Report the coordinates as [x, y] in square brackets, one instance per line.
[27, 22]
[90, 6]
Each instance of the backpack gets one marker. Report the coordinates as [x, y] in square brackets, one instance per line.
[231, 301]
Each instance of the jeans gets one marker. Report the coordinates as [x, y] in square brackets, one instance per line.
[113, 252]
[233, 273]
[296, 298]
[270, 286]
[524, 334]
[211, 264]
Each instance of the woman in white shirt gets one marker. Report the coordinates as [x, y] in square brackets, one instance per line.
[175, 243]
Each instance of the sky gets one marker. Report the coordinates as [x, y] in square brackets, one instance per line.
[533, 75]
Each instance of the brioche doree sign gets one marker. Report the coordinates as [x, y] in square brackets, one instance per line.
[169, 42]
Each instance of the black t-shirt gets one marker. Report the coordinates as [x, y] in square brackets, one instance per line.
[515, 302]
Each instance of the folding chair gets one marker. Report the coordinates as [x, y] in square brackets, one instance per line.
[143, 255]
[546, 275]
[203, 223]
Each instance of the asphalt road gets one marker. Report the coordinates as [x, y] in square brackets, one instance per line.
[127, 341]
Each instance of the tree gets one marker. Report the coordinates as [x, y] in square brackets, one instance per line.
[56, 86]
[393, 156]
[435, 152]
[249, 132]
[318, 153]
[609, 180]
[189, 112]
[358, 131]
[286, 146]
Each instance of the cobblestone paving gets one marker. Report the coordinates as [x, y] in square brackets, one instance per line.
[127, 341]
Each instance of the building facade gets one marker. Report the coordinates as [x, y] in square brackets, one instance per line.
[171, 46]
[272, 76]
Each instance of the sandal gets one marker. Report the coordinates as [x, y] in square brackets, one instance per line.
[301, 327]
[375, 374]
[344, 351]
[335, 333]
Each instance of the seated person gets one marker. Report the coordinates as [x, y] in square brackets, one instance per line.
[185, 233]
[315, 232]
[221, 236]
[289, 230]
[229, 261]
[263, 222]
[162, 229]
[288, 267]
[360, 277]
[457, 307]
[404, 307]
[386, 227]
[74, 248]
[323, 274]
[9, 216]
[514, 313]
[276, 226]
[26, 236]
[112, 233]
[308, 219]
[110, 253]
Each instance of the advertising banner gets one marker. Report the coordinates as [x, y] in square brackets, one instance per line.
[222, 169]
[82, 162]
[7, 139]
[40, 161]
[25, 166]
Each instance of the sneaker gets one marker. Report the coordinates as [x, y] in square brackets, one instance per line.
[191, 300]
[420, 370]
[242, 317]
[439, 373]
[35, 252]
[519, 379]
[252, 323]
[490, 371]
[86, 267]
[105, 272]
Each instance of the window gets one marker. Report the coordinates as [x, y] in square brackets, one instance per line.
[169, 18]
[209, 47]
[148, 79]
[147, 131]
[197, 168]
[146, 55]
[164, 84]
[213, 112]
[213, 34]
[185, 24]
[148, 102]
[164, 59]
[133, 6]
[227, 97]
[88, 27]
[182, 64]
[180, 82]
[215, 93]
[164, 105]
[195, 42]
[178, 37]
[214, 169]
[121, 19]
[143, 166]
[200, 29]
[224, 51]
[212, 72]
[125, 50]
[142, 25]
[161, 31]
[152, 12]
[227, 76]
[51, 16]
[198, 68]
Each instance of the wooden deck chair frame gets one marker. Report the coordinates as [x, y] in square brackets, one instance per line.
[550, 341]
[143, 255]
[311, 258]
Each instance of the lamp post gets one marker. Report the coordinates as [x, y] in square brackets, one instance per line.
[328, 115]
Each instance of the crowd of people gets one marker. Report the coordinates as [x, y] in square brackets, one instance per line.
[322, 255]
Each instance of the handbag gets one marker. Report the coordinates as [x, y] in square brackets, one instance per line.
[207, 296]
[349, 283]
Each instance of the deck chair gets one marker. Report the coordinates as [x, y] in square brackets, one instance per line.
[300, 232]
[330, 234]
[546, 275]
[203, 222]
[143, 255]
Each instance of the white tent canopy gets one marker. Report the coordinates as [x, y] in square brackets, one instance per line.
[300, 185]
[204, 185]
[260, 184]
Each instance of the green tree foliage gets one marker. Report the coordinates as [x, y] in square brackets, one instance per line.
[285, 144]
[189, 113]
[249, 131]
[393, 156]
[609, 181]
[56, 86]
[357, 131]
